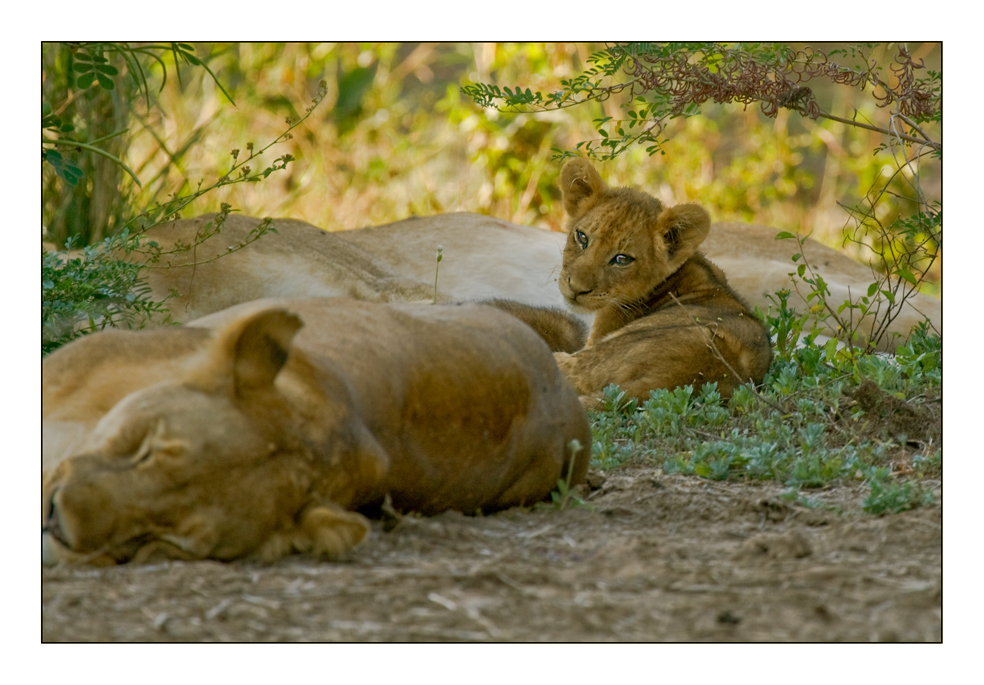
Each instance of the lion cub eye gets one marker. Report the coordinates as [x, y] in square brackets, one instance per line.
[622, 260]
[581, 239]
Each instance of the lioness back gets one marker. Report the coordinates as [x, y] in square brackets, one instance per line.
[665, 316]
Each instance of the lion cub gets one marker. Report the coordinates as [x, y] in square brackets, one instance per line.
[664, 315]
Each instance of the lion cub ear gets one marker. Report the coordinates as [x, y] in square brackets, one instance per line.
[581, 187]
[249, 352]
[682, 228]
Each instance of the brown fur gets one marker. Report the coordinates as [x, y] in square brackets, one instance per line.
[247, 435]
[664, 315]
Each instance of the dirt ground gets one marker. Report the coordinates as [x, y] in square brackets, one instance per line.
[651, 558]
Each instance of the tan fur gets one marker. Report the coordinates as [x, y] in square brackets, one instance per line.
[297, 261]
[483, 258]
[664, 315]
[246, 434]
[560, 330]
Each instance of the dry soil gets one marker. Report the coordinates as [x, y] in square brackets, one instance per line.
[649, 558]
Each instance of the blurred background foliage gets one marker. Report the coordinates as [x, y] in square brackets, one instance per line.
[395, 136]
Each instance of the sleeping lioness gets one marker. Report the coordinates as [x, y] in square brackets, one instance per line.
[483, 257]
[664, 315]
[257, 431]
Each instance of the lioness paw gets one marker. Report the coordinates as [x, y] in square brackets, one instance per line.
[332, 532]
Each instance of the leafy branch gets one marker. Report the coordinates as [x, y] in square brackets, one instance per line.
[239, 172]
[89, 61]
[663, 81]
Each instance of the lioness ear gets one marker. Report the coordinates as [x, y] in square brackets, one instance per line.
[250, 351]
[683, 228]
[261, 349]
[581, 187]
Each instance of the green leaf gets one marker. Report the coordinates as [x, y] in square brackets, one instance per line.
[45, 109]
[105, 82]
[107, 69]
[801, 269]
[907, 275]
[67, 175]
[85, 80]
[783, 235]
[81, 67]
[872, 289]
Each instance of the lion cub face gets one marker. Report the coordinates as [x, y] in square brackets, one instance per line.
[621, 243]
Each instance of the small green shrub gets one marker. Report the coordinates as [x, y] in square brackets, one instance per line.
[92, 290]
[802, 427]
[887, 496]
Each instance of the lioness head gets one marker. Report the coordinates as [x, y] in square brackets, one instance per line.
[198, 467]
[622, 243]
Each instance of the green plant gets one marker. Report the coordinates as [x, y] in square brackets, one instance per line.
[564, 494]
[823, 415]
[90, 291]
[437, 266]
[102, 287]
[90, 93]
[891, 497]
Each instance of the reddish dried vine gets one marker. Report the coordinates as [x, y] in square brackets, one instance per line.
[736, 76]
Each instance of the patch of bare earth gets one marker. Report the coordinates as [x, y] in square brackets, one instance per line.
[655, 558]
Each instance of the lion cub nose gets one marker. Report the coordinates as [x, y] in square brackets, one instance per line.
[577, 289]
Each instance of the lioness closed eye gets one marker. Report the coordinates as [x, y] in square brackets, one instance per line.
[664, 315]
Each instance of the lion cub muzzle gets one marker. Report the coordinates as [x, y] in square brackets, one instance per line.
[579, 296]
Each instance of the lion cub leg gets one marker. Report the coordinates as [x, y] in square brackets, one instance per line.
[639, 362]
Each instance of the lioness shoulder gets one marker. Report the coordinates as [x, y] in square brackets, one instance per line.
[665, 315]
